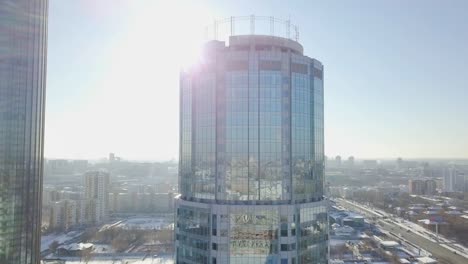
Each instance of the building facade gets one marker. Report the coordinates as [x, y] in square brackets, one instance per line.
[251, 155]
[23, 49]
[97, 186]
[416, 186]
[63, 215]
[455, 180]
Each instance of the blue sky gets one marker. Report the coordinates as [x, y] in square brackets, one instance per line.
[396, 73]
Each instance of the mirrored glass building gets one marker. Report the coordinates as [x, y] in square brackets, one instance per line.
[252, 155]
[23, 45]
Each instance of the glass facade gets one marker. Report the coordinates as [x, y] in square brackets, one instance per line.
[23, 46]
[251, 154]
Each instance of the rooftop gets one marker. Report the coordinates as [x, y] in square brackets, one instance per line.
[222, 29]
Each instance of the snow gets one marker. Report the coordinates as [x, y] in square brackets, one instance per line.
[141, 223]
[60, 238]
[144, 223]
[103, 248]
[149, 260]
[421, 231]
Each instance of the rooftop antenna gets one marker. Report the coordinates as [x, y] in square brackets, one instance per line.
[215, 29]
[296, 35]
[232, 26]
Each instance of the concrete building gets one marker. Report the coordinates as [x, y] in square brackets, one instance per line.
[455, 180]
[97, 193]
[251, 155]
[63, 215]
[430, 187]
[422, 186]
[416, 186]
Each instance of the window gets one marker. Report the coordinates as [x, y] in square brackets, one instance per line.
[284, 247]
[284, 230]
[284, 261]
[214, 246]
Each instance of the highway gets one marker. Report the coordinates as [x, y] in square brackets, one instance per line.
[443, 255]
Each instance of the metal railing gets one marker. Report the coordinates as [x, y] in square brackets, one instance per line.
[222, 29]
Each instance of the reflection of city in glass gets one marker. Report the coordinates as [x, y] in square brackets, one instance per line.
[23, 36]
[251, 155]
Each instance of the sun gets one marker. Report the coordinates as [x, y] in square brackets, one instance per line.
[174, 29]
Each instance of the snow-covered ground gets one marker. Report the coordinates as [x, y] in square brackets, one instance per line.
[103, 248]
[60, 238]
[159, 260]
[427, 234]
[144, 223]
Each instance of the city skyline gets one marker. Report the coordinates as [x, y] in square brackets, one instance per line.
[183, 132]
[396, 88]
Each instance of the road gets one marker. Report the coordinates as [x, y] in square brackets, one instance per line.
[443, 255]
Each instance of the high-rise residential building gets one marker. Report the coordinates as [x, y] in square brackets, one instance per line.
[97, 188]
[251, 155]
[422, 186]
[455, 180]
[416, 186]
[23, 49]
[430, 187]
[63, 214]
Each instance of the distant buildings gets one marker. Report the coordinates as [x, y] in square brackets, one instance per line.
[416, 187]
[65, 167]
[455, 180]
[430, 187]
[113, 158]
[141, 202]
[338, 161]
[68, 209]
[422, 186]
[63, 215]
[97, 186]
[370, 163]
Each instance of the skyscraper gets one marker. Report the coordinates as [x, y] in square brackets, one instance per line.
[23, 49]
[251, 155]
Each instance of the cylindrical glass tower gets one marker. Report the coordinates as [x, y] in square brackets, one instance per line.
[251, 155]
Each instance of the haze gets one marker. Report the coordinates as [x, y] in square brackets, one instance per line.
[395, 74]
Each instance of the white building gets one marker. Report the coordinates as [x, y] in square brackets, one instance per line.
[455, 180]
[97, 194]
[63, 214]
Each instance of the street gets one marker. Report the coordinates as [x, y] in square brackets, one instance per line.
[443, 255]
